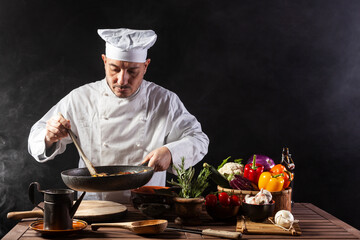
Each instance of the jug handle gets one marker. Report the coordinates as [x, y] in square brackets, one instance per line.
[31, 192]
[76, 205]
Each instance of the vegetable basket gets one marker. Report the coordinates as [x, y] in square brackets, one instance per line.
[282, 198]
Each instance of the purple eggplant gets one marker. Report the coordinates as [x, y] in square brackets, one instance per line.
[241, 183]
[267, 162]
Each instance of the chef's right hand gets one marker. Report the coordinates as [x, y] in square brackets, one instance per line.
[56, 129]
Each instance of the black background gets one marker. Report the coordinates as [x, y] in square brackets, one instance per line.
[258, 75]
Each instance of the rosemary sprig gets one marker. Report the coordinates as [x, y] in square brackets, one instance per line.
[190, 188]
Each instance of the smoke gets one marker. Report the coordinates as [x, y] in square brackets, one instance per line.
[7, 198]
[18, 169]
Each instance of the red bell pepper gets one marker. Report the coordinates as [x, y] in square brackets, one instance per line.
[252, 171]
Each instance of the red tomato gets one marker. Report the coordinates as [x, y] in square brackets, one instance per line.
[210, 200]
[235, 200]
[224, 199]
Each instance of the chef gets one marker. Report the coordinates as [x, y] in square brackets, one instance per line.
[122, 119]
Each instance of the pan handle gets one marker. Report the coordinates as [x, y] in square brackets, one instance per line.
[25, 214]
[145, 164]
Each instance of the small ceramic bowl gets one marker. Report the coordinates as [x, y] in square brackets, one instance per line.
[153, 210]
[220, 212]
[258, 213]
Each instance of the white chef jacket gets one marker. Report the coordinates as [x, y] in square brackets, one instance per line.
[122, 131]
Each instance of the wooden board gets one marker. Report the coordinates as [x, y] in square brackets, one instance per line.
[89, 211]
[100, 211]
[245, 226]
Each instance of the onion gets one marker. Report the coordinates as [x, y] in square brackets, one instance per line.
[267, 162]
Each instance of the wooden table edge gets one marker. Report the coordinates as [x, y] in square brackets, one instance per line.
[333, 219]
[19, 230]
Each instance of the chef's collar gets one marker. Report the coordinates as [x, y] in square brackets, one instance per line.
[109, 92]
[127, 44]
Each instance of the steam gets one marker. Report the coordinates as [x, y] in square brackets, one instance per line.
[14, 177]
[5, 205]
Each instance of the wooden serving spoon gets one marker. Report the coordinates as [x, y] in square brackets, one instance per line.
[158, 226]
[153, 226]
[87, 162]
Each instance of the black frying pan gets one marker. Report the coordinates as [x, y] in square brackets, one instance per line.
[79, 179]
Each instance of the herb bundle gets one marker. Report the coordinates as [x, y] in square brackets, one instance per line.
[190, 188]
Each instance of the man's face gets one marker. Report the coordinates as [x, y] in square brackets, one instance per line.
[124, 78]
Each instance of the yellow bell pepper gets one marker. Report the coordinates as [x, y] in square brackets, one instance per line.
[271, 182]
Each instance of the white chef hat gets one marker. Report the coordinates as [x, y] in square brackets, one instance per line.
[127, 44]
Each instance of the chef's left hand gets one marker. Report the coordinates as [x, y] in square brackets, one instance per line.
[159, 159]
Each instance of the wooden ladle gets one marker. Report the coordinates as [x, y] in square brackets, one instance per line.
[152, 226]
[87, 162]
[156, 226]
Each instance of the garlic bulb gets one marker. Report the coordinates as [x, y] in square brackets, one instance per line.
[262, 197]
[249, 199]
[284, 218]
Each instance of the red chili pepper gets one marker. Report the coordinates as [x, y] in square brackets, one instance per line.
[252, 171]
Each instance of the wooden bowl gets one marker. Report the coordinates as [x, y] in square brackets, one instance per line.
[188, 210]
[282, 198]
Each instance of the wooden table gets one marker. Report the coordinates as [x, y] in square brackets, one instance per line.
[315, 223]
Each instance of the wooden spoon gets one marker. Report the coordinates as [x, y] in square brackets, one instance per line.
[153, 226]
[87, 162]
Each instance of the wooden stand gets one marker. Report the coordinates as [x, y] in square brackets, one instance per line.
[244, 225]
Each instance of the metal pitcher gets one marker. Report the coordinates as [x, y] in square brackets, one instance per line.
[58, 206]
